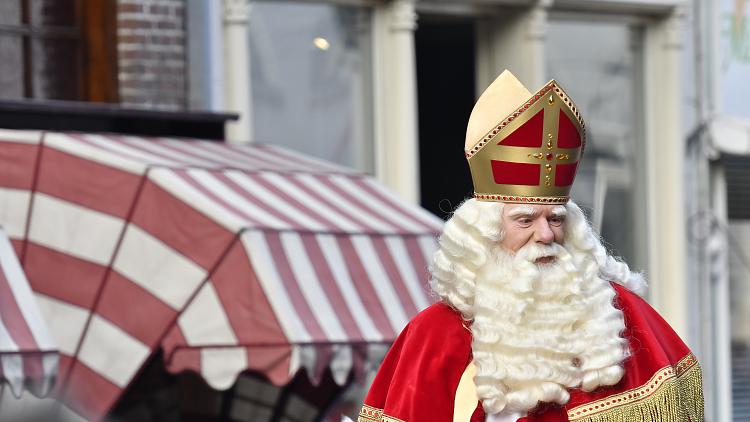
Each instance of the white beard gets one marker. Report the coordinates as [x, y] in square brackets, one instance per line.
[541, 329]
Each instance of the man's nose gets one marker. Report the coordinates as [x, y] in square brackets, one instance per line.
[543, 233]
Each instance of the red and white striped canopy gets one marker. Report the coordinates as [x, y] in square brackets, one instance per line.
[28, 353]
[229, 258]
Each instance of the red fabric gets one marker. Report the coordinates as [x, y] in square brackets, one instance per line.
[418, 379]
[245, 303]
[420, 374]
[13, 318]
[116, 305]
[365, 287]
[653, 345]
[389, 265]
[565, 174]
[287, 277]
[530, 133]
[510, 173]
[87, 183]
[18, 160]
[366, 209]
[89, 394]
[364, 219]
[181, 226]
[62, 276]
[567, 134]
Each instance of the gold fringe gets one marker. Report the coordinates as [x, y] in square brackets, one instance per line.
[673, 394]
[676, 397]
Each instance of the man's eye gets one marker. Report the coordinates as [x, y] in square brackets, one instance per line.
[556, 221]
[525, 221]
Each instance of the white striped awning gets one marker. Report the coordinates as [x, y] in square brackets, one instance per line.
[28, 353]
[229, 258]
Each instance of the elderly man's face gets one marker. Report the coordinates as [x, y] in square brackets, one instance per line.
[523, 224]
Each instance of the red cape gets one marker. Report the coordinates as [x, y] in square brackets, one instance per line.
[418, 378]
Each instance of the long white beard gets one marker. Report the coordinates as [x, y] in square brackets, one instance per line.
[541, 329]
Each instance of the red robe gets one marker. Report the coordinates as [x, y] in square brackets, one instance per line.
[418, 379]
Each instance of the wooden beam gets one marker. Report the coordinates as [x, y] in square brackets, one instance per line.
[99, 25]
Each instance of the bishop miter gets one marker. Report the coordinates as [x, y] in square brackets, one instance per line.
[536, 321]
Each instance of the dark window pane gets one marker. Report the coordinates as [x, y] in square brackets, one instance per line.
[55, 69]
[10, 12]
[53, 12]
[11, 67]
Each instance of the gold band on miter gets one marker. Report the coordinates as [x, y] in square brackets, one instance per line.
[524, 147]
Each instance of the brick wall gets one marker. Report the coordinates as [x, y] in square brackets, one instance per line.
[151, 52]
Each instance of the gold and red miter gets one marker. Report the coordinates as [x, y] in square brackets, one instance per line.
[524, 147]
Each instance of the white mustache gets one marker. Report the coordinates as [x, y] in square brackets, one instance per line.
[534, 251]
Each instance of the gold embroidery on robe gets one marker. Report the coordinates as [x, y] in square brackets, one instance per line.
[373, 414]
[673, 394]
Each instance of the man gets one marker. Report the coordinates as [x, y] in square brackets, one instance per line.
[536, 322]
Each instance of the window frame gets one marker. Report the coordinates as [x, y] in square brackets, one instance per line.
[94, 32]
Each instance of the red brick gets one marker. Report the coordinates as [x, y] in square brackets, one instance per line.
[164, 24]
[159, 10]
[125, 84]
[129, 8]
[134, 24]
[156, 38]
[139, 54]
[151, 49]
[133, 68]
[131, 39]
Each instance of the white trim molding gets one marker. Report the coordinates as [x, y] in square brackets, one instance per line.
[395, 92]
[501, 37]
[237, 89]
[665, 156]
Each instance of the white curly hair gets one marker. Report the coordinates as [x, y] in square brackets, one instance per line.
[537, 331]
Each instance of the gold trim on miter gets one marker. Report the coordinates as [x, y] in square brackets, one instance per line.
[506, 126]
[522, 199]
[553, 100]
[674, 394]
[501, 98]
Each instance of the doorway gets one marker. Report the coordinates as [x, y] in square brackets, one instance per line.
[445, 50]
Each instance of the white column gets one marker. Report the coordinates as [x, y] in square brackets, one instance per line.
[665, 155]
[514, 41]
[205, 54]
[395, 81]
[717, 250]
[237, 93]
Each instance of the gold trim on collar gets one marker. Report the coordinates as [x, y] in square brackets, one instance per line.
[673, 394]
[373, 414]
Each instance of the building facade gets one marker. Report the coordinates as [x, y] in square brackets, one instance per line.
[386, 87]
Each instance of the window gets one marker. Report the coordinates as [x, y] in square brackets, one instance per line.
[597, 64]
[57, 49]
[311, 80]
[157, 395]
